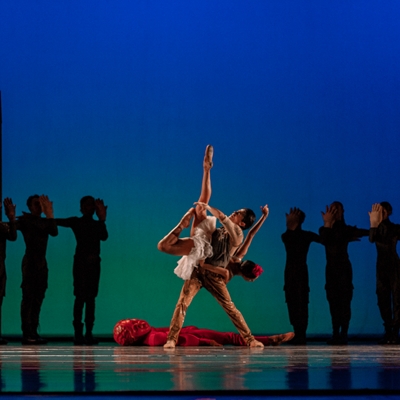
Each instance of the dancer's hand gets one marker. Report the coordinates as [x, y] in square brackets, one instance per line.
[47, 206]
[265, 211]
[205, 206]
[214, 211]
[101, 209]
[375, 215]
[329, 216]
[293, 219]
[9, 208]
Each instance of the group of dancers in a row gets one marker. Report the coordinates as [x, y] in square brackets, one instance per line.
[86, 267]
[211, 256]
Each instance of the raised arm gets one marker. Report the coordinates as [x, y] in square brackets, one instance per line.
[101, 209]
[293, 219]
[101, 212]
[9, 209]
[47, 208]
[244, 247]
[328, 216]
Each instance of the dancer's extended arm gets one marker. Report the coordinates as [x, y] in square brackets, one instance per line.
[244, 247]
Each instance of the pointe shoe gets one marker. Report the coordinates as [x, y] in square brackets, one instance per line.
[169, 345]
[208, 156]
[256, 344]
[185, 221]
[276, 340]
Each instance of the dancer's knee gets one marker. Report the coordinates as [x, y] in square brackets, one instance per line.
[161, 246]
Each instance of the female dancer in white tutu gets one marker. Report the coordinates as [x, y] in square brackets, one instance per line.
[196, 248]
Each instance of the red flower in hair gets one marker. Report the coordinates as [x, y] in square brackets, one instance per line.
[257, 270]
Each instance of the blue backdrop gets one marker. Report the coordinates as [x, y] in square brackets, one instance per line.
[119, 99]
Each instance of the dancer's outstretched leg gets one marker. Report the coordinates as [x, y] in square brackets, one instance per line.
[205, 194]
[172, 244]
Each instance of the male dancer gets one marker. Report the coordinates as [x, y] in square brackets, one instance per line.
[224, 242]
[86, 270]
[36, 231]
[336, 236]
[297, 242]
[385, 234]
[7, 232]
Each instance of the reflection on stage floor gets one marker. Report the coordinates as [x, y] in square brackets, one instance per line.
[109, 368]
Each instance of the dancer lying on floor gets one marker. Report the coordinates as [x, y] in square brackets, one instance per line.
[137, 332]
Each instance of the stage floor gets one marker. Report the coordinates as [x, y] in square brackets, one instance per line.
[62, 368]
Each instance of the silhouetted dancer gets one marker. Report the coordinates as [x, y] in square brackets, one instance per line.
[7, 232]
[297, 243]
[86, 270]
[137, 332]
[36, 231]
[335, 236]
[385, 234]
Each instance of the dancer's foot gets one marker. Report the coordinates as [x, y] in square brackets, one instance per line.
[208, 156]
[256, 343]
[170, 344]
[276, 340]
[185, 221]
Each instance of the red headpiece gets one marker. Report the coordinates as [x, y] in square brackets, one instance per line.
[257, 270]
[128, 331]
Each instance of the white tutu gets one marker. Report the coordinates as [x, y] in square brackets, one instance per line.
[202, 248]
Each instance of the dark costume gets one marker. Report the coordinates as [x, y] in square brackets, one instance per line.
[134, 332]
[7, 232]
[36, 231]
[385, 237]
[339, 275]
[86, 270]
[297, 242]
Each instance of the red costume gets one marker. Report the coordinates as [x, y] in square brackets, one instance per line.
[137, 332]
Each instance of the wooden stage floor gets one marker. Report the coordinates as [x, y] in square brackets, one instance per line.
[201, 372]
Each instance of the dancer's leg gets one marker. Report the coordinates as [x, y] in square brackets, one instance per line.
[172, 244]
[189, 290]
[205, 194]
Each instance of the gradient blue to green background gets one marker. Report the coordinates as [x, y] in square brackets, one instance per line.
[118, 99]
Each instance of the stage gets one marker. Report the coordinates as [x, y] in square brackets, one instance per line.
[358, 370]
